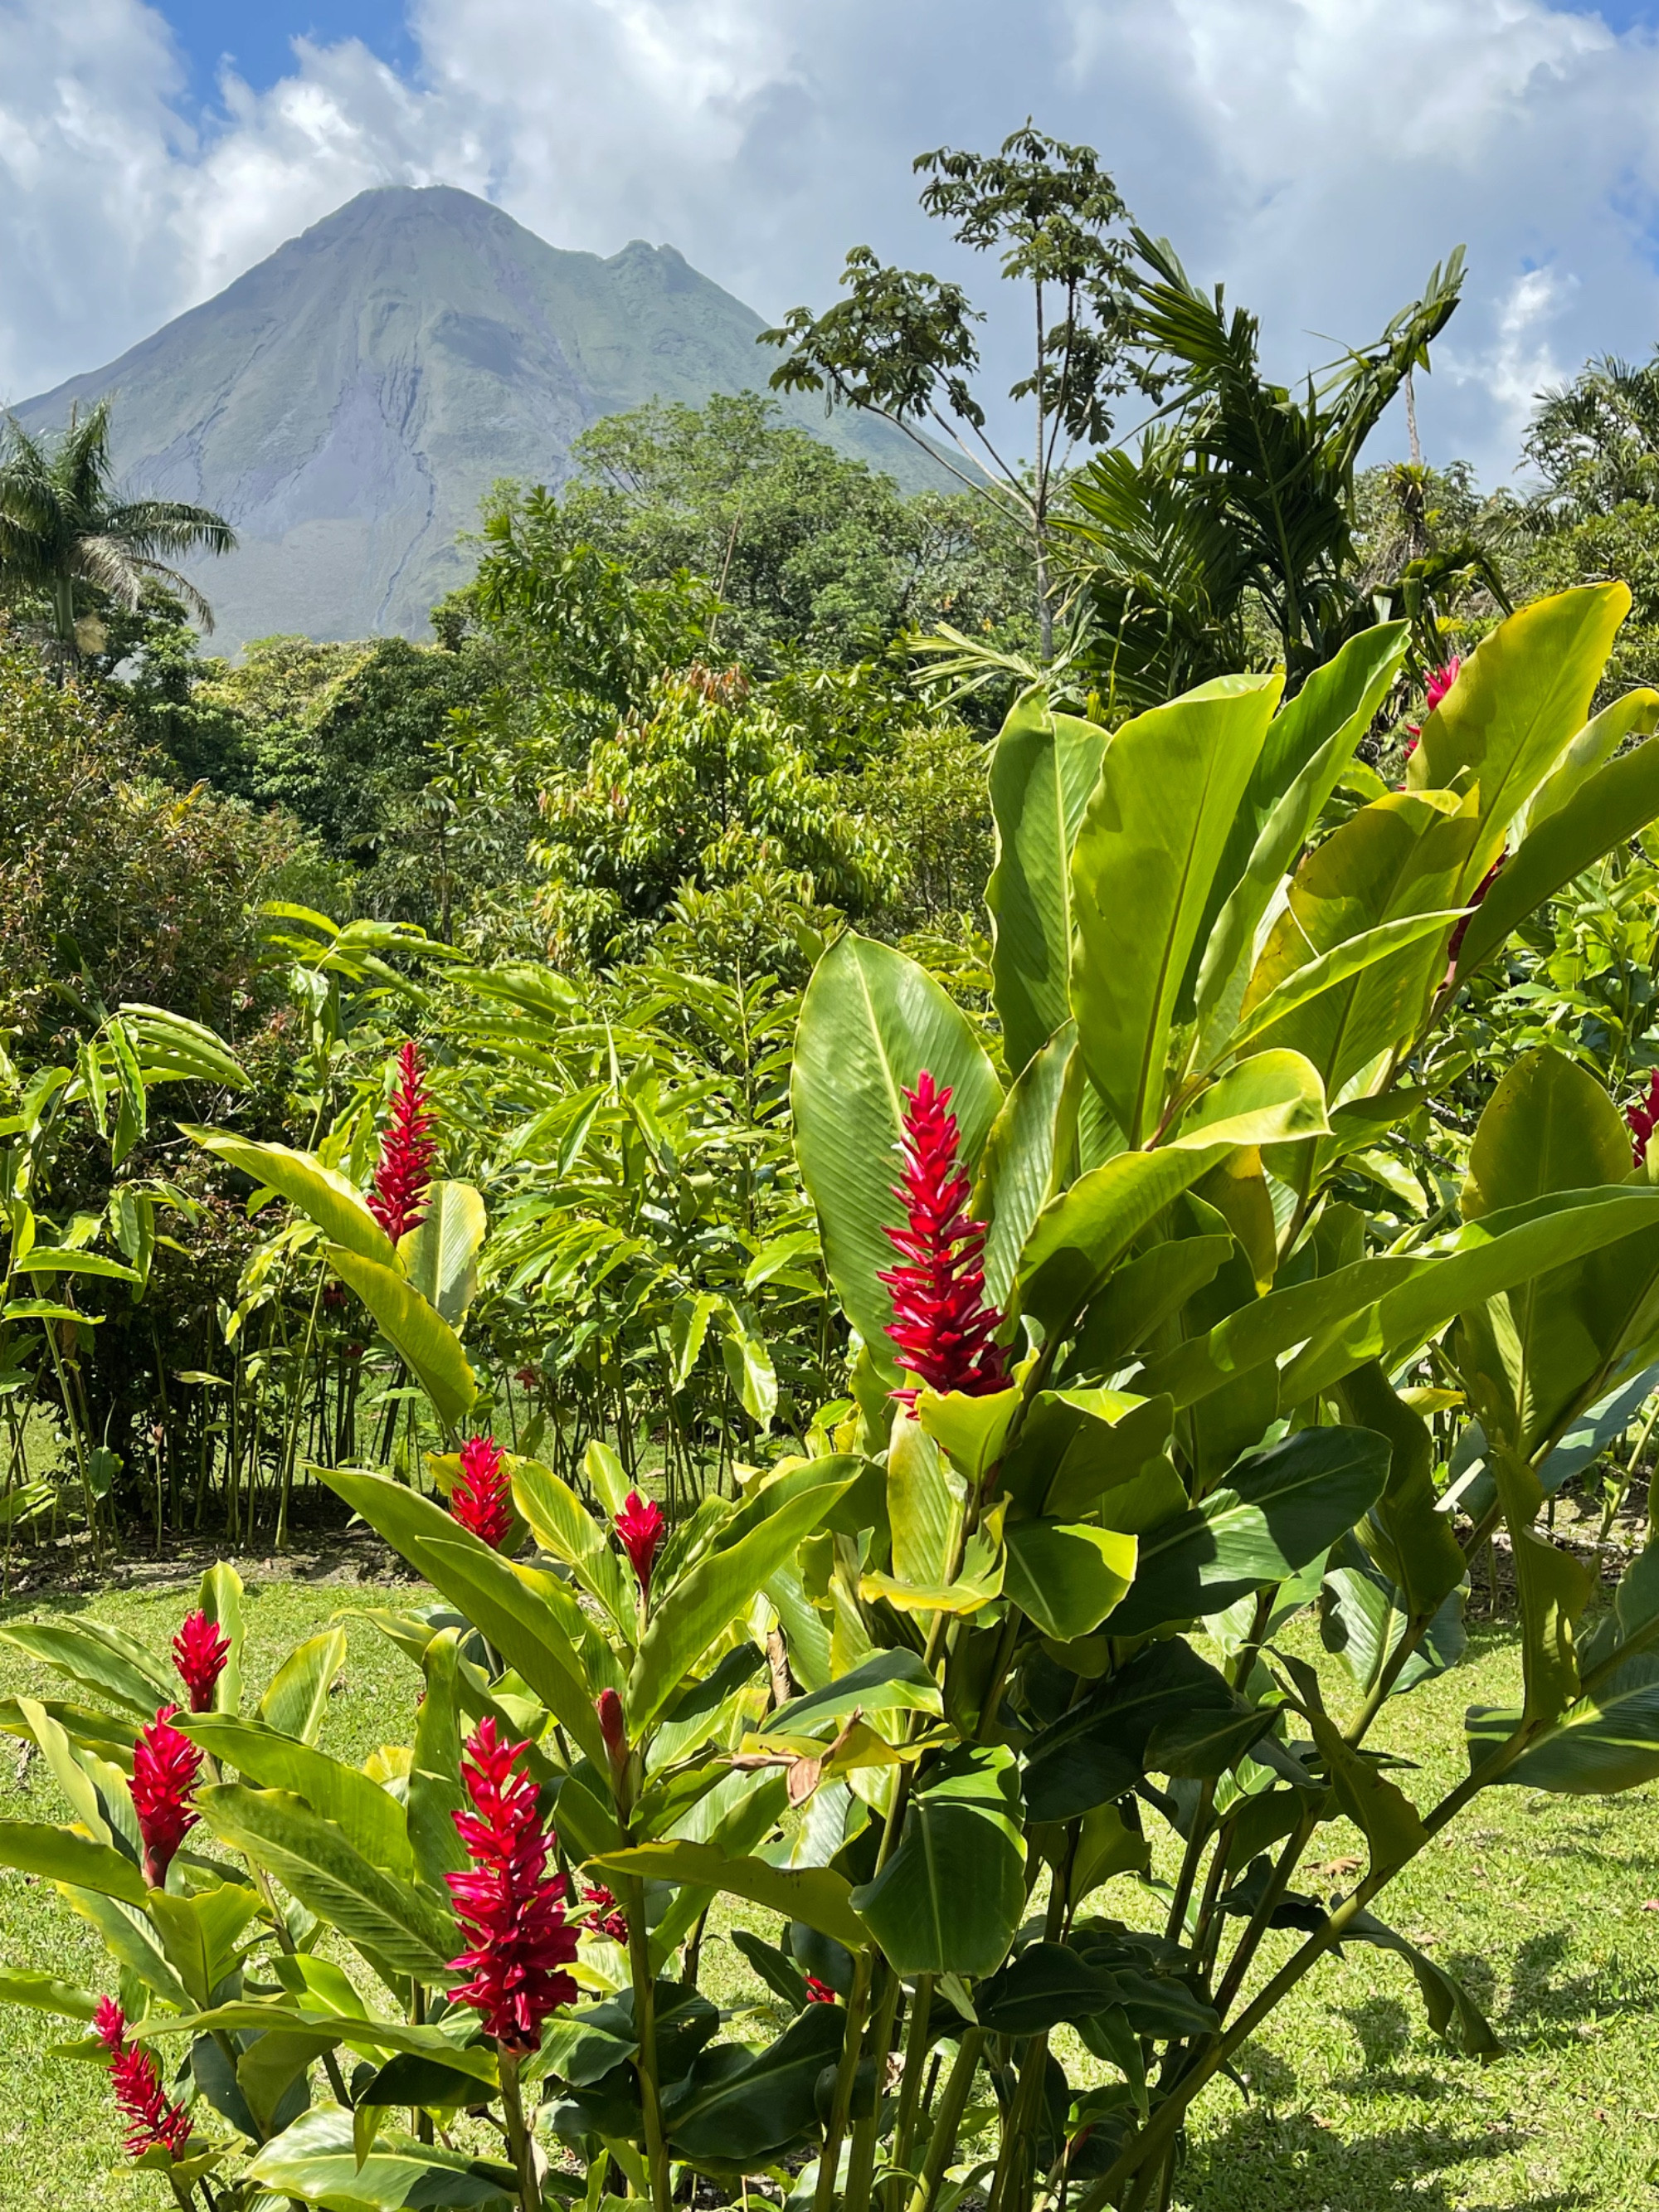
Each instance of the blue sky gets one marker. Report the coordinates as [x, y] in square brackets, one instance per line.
[1319, 155]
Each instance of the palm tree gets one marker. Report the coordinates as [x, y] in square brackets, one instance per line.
[1596, 441]
[64, 528]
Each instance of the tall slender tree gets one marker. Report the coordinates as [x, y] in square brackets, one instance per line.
[67, 533]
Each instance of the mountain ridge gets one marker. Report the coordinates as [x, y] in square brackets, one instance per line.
[347, 402]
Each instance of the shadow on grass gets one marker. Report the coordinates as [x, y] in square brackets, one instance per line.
[1264, 2161]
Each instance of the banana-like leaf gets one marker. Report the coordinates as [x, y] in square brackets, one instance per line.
[1044, 768]
[817, 1895]
[1079, 1238]
[415, 1330]
[1156, 825]
[440, 1255]
[322, 1194]
[950, 1899]
[1026, 1157]
[1066, 1577]
[1602, 1744]
[297, 1697]
[36, 1847]
[370, 1818]
[315, 2160]
[101, 1659]
[871, 1021]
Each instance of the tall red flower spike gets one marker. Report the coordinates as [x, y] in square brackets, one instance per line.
[1642, 1118]
[1436, 684]
[606, 1917]
[509, 1906]
[641, 1529]
[153, 2123]
[482, 1499]
[165, 1768]
[397, 1197]
[199, 1652]
[943, 1327]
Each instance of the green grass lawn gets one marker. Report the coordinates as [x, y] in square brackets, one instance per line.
[1541, 1904]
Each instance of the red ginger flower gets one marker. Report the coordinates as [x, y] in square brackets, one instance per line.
[482, 1498]
[606, 1917]
[1436, 684]
[165, 1768]
[509, 1906]
[153, 2123]
[943, 1327]
[613, 1725]
[199, 1652]
[398, 1196]
[642, 1529]
[819, 1992]
[1642, 1118]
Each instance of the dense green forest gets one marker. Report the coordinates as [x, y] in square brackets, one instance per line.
[955, 1170]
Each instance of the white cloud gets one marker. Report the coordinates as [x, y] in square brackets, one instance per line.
[1318, 154]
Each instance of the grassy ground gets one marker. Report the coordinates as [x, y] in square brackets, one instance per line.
[1549, 1907]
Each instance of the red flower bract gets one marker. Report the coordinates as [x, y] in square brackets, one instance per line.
[642, 1529]
[819, 1992]
[153, 2123]
[943, 1327]
[397, 1197]
[482, 1498]
[165, 1765]
[199, 1652]
[606, 1917]
[613, 1726]
[1642, 1118]
[1475, 898]
[510, 1906]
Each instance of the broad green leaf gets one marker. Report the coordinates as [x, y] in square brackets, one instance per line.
[688, 1327]
[1411, 1540]
[35, 1847]
[315, 2160]
[1141, 1296]
[1444, 1997]
[1026, 1159]
[1042, 770]
[1309, 741]
[563, 1525]
[889, 1681]
[441, 1256]
[221, 1599]
[171, 1047]
[1601, 814]
[1379, 1809]
[1271, 1098]
[310, 1855]
[514, 1607]
[322, 1194]
[368, 1817]
[1306, 983]
[99, 1658]
[199, 1933]
[692, 1612]
[297, 1697]
[748, 1363]
[1281, 1508]
[1602, 1744]
[46, 1993]
[1520, 699]
[53, 1259]
[1363, 1617]
[972, 1431]
[435, 1793]
[952, 1896]
[1145, 859]
[1081, 1235]
[816, 1895]
[415, 1330]
[1067, 1578]
[738, 2108]
[871, 1021]
[921, 1505]
[1636, 714]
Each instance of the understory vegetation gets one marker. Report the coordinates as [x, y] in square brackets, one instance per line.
[956, 1191]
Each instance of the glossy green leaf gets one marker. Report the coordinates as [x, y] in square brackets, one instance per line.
[949, 1898]
[887, 1682]
[220, 1598]
[310, 1855]
[1102, 1746]
[1067, 1578]
[415, 1330]
[368, 1817]
[315, 2160]
[101, 1659]
[514, 1606]
[1280, 1508]
[817, 1895]
[1042, 770]
[1171, 788]
[737, 2108]
[922, 1507]
[297, 1697]
[692, 1612]
[36, 1847]
[200, 1933]
[1304, 984]
[1602, 1744]
[871, 1021]
[436, 1794]
[46, 1993]
[1026, 1157]
[322, 1194]
[1079, 1238]
[440, 1257]
[748, 1363]
[1271, 1098]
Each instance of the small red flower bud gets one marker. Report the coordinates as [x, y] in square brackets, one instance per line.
[943, 1327]
[165, 1768]
[153, 2123]
[819, 1992]
[403, 1173]
[605, 1917]
[1642, 1118]
[613, 1725]
[199, 1652]
[511, 1908]
[642, 1529]
[482, 1498]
